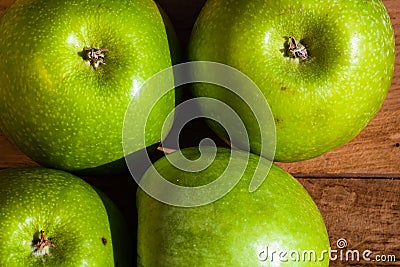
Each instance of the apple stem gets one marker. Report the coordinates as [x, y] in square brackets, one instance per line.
[297, 49]
[95, 56]
[166, 150]
[41, 248]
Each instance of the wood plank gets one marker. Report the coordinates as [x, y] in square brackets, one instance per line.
[11, 156]
[365, 212]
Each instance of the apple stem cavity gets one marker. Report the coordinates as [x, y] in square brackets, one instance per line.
[42, 247]
[297, 49]
[95, 56]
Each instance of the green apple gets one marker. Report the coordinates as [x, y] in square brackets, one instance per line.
[53, 218]
[69, 71]
[324, 66]
[274, 225]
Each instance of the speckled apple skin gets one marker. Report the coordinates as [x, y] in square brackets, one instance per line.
[57, 108]
[235, 229]
[320, 103]
[73, 215]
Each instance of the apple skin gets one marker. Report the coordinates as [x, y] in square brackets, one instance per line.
[57, 108]
[320, 103]
[75, 217]
[229, 231]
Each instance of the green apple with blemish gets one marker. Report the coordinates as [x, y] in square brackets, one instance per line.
[53, 218]
[69, 70]
[324, 66]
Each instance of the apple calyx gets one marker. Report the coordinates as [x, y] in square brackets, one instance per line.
[95, 56]
[297, 49]
[42, 247]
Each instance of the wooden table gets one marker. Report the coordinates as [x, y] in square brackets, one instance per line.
[356, 187]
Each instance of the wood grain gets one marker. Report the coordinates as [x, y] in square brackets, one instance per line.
[365, 212]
